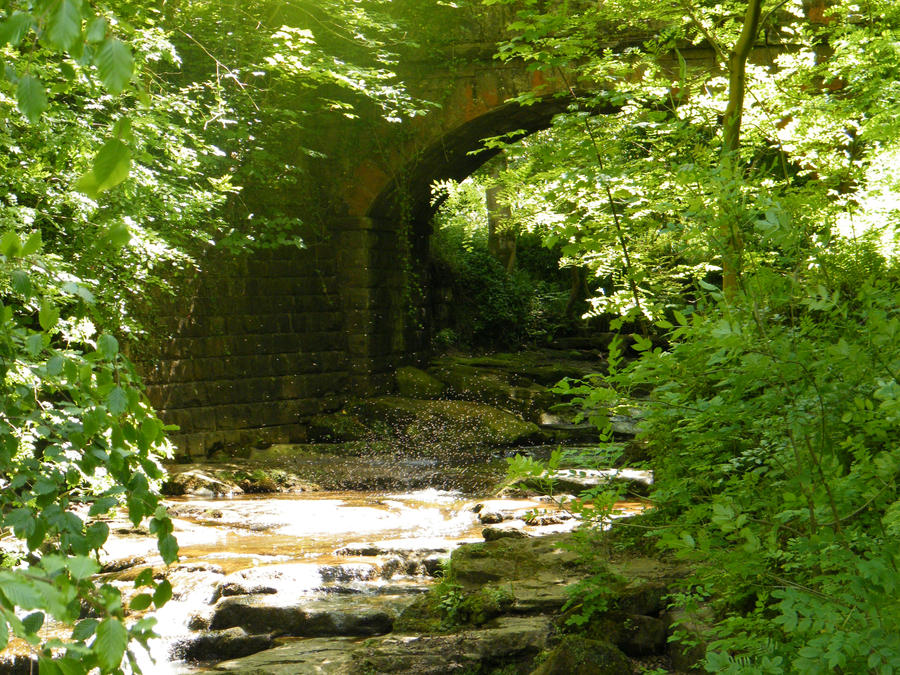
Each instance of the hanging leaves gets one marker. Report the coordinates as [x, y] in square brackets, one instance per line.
[114, 65]
[14, 28]
[64, 24]
[31, 97]
[110, 167]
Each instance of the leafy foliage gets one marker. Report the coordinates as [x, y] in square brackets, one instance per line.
[77, 440]
[489, 305]
[772, 406]
[117, 169]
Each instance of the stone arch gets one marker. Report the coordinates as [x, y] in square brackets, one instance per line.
[457, 154]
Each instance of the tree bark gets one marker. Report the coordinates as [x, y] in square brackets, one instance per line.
[730, 226]
[501, 237]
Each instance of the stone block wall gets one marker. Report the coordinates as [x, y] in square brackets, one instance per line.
[253, 346]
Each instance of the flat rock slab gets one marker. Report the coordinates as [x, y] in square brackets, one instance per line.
[504, 640]
[335, 616]
[224, 644]
[328, 656]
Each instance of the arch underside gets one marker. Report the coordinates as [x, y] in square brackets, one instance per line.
[457, 155]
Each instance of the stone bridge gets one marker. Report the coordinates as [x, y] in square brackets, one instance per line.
[257, 344]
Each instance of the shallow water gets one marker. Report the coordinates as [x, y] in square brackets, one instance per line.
[305, 541]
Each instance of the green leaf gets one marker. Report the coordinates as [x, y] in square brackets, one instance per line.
[14, 28]
[33, 622]
[48, 316]
[111, 166]
[64, 24]
[168, 549]
[141, 602]
[84, 629]
[122, 129]
[21, 282]
[118, 235]
[31, 98]
[117, 401]
[150, 430]
[96, 30]
[44, 486]
[55, 365]
[102, 505]
[96, 535]
[47, 666]
[82, 567]
[114, 64]
[163, 593]
[108, 346]
[34, 343]
[112, 163]
[112, 639]
[21, 594]
[79, 290]
[69, 666]
[4, 633]
[33, 243]
[144, 578]
[10, 245]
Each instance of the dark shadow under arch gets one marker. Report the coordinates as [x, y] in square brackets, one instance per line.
[457, 155]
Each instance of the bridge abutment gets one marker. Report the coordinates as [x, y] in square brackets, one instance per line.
[255, 344]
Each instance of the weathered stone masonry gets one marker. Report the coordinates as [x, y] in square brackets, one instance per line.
[262, 342]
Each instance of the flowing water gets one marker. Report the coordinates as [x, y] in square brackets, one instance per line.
[338, 550]
[321, 546]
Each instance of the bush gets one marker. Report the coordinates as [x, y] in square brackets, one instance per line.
[490, 308]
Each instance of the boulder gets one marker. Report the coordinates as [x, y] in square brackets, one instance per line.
[326, 656]
[643, 597]
[197, 483]
[222, 644]
[578, 654]
[503, 641]
[637, 482]
[534, 559]
[497, 388]
[494, 533]
[635, 634]
[415, 383]
[336, 616]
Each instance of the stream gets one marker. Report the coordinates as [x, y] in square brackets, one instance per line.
[346, 558]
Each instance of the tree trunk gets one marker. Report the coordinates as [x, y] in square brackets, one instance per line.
[730, 226]
[501, 236]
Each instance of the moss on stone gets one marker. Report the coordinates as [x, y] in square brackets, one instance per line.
[416, 383]
[578, 654]
[336, 428]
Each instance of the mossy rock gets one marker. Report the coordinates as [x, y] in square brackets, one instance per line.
[635, 634]
[416, 383]
[455, 424]
[511, 559]
[336, 428]
[496, 388]
[584, 656]
[422, 616]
